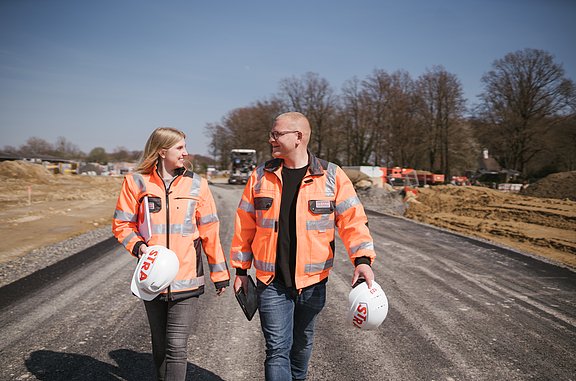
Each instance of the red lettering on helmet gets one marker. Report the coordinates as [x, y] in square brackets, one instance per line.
[362, 311]
[360, 315]
[143, 275]
[153, 253]
[145, 265]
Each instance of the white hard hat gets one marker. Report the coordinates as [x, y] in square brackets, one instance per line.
[155, 271]
[368, 307]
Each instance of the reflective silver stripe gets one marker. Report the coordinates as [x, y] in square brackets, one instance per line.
[319, 225]
[314, 267]
[159, 229]
[174, 229]
[125, 216]
[242, 256]
[187, 283]
[126, 240]
[259, 175]
[266, 223]
[189, 217]
[208, 219]
[222, 266]
[139, 181]
[196, 183]
[331, 179]
[189, 224]
[363, 245]
[246, 206]
[264, 266]
[344, 205]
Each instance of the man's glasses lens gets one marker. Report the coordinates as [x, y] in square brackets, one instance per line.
[276, 134]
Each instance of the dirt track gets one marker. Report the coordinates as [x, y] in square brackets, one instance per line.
[64, 206]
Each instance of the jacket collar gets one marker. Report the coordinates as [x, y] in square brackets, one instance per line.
[314, 165]
[179, 172]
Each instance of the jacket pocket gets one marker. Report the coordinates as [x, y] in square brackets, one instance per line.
[321, 206]
[154, 204]
[263, 203]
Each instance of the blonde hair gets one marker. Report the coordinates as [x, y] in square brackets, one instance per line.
[161, 138]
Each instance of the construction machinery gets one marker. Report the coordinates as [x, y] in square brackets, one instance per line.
[242, 163]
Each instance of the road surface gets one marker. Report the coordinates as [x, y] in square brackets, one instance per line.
[460, 309]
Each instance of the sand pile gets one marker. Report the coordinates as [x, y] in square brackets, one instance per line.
[557, 185]
[25, 171]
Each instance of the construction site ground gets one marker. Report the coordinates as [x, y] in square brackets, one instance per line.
[38, 208]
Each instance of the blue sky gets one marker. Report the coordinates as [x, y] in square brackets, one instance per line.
[107, 73]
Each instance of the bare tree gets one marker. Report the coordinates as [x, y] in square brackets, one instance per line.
[37, 146]
[245, 127]
[443, 107]
[314, 97]
[355, 124]
[376, 93]
[404, 140]
[66, 149]
[525, 95]
[120, 153]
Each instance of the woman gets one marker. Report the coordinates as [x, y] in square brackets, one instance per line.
[184, 219]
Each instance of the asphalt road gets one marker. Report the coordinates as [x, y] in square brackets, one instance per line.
[460, 309]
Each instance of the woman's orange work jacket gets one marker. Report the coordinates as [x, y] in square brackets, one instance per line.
[326, 200]
[182, 219]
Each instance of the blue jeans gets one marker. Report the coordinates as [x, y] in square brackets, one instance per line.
[170, 326]
[287, 319]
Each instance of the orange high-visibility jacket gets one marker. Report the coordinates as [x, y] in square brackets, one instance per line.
[326, 200]
[182, 219]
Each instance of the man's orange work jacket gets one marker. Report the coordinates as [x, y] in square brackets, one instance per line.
[183, 219]
[326, 200]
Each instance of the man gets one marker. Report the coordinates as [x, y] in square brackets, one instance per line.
[285, 224]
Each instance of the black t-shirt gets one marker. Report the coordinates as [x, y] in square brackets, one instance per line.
[286, 246]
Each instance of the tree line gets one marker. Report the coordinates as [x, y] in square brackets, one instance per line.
[65, 149]
[526, 118]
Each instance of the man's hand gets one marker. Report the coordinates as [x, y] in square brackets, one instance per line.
[365, 271]
[220, 291]
[241, 281]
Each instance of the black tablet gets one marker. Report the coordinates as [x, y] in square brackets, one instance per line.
[249, 303]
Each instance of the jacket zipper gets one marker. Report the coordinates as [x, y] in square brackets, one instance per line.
[169, 296]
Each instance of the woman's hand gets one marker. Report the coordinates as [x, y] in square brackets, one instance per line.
[143, 249]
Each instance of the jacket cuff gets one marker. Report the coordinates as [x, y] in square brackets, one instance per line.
[224, 283]
[241, 272]
[136, 248]
[362, 261]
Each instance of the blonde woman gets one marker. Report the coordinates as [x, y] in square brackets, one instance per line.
[184, 219]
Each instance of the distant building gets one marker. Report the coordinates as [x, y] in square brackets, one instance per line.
[487, 162]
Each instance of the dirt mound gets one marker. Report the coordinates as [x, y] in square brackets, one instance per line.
[557, 185]
[355, 176]
[27, 171]
[544, 226]
[382, 200]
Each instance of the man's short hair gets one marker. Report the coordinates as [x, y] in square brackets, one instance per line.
[291, 115]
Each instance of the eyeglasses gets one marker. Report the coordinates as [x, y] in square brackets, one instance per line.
[274, 135]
